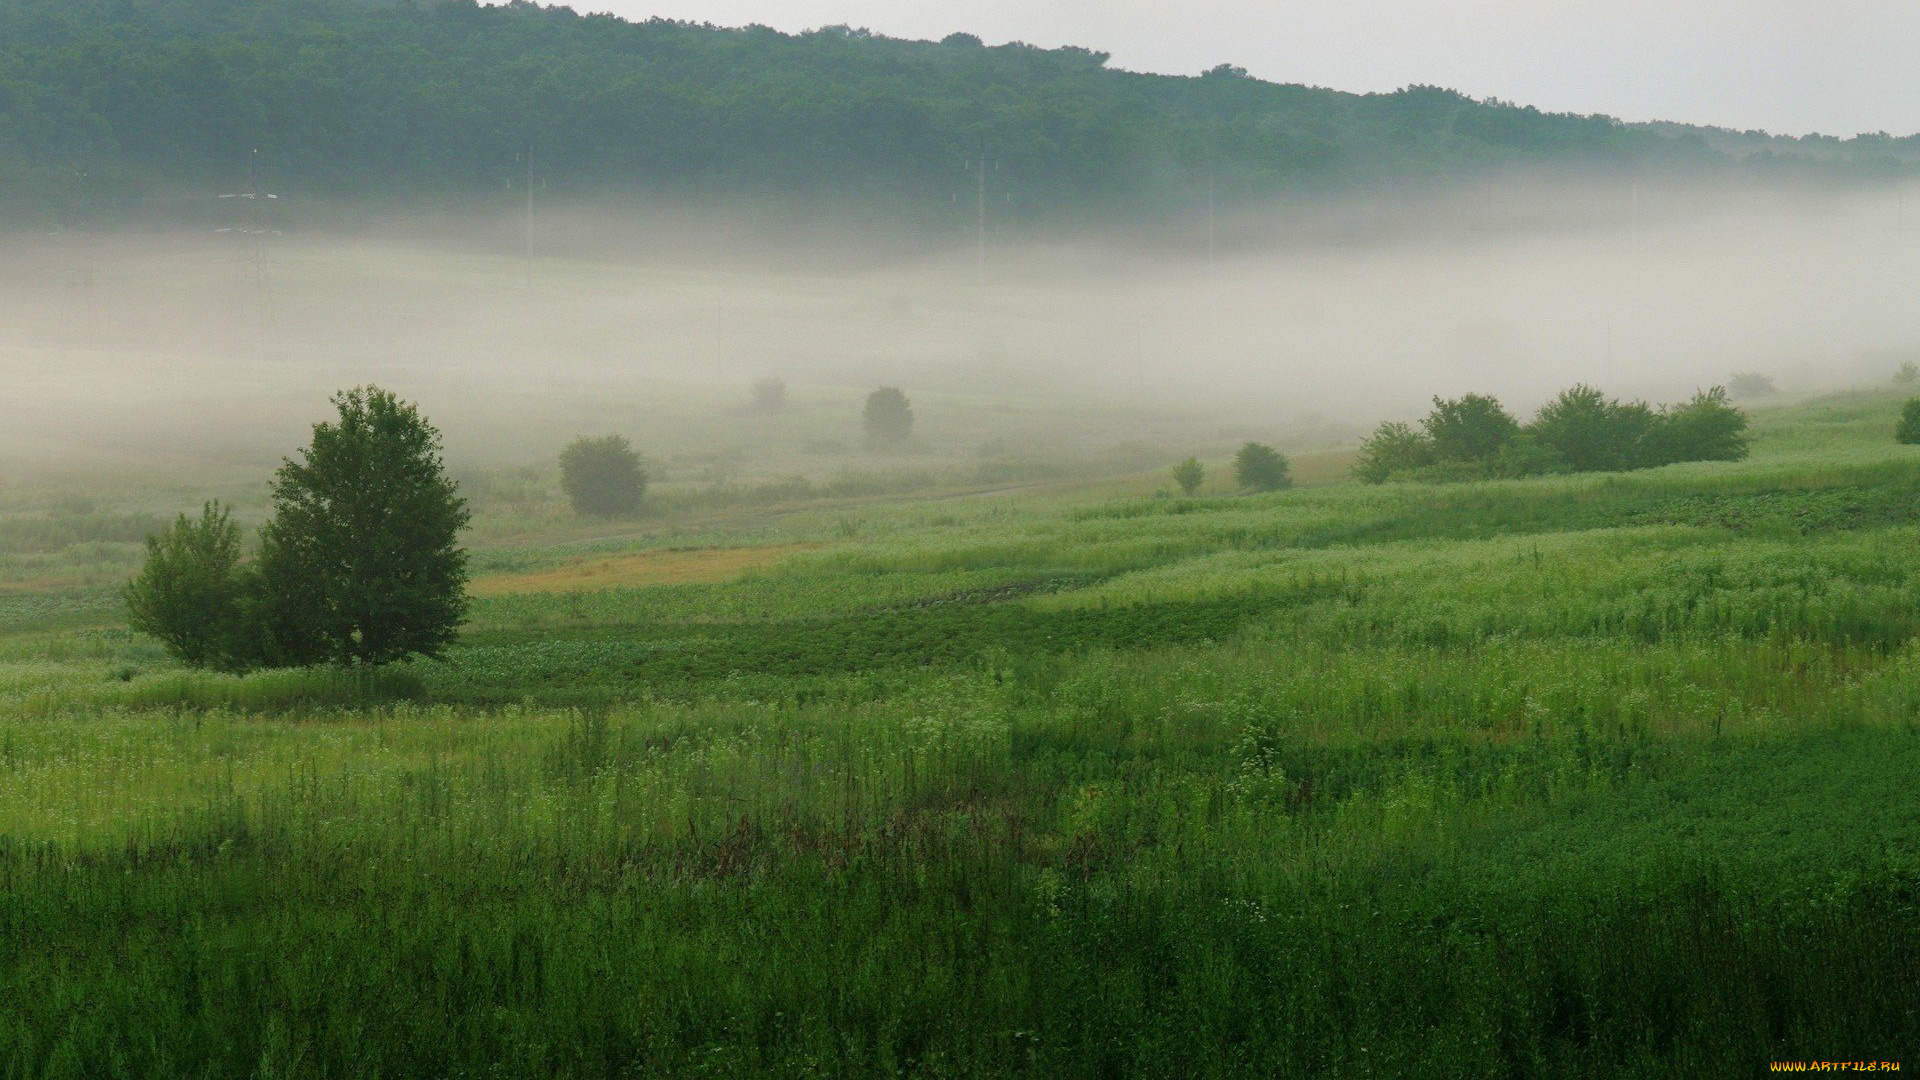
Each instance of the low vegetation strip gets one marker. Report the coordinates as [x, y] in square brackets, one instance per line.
[669, 566]
[604, 663]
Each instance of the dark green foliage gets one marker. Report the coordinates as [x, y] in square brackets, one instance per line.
[361, 562]
[1189, 474]
[1469, 430]
[1586, 431]
[603, 476]
[351, 96]
[888, 417]
[1907, 432]
[189, 593]
[1581, 430]
[1394, 449]
[1706, 428]
[1258, 467]
[770, 395]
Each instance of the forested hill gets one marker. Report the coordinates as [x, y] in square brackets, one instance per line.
[107, 104]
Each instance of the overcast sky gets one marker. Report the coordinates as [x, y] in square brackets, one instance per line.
[1792, 66]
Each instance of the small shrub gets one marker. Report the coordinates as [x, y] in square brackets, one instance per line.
[1751, 384]
[188, 594]
[1908, 374]
[888, 417]
[603, 477]
[1908, 431]
[1262, 468]
[1189, 474]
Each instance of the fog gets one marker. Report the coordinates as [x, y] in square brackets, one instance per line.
[1309, 322]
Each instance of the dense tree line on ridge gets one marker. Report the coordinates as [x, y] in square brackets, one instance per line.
[108, 104]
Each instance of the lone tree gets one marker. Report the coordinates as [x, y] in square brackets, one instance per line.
[888, 417]
[603, 476]
[189, 592]
[1262, 468]
[1908, 431]
[361, 563]
[1188, 474]
[769, 395]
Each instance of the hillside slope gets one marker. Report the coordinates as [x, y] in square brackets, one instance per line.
[110, 104]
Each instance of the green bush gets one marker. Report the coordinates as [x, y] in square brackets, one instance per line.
[1394, 450]
[1706, 428]
[602, 477]
[188, 594]
[1259, 467]
[1470, 428]
[1908, 431]
[888, 417]
[1590, 432]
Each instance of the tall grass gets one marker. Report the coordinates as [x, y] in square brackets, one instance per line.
[1569, 777]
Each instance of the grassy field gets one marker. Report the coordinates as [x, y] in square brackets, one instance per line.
[1608, 775]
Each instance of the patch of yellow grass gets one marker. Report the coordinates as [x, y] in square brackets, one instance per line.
[705, 566]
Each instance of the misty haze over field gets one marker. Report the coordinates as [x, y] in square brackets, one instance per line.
[1311, 319]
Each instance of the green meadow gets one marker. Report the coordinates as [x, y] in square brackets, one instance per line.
[973, 776]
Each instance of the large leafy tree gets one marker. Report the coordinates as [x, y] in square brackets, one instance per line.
[361, 563]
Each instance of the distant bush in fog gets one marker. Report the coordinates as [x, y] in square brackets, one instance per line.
[1188, 474]
[1259, 467]
[602, 477]
[888, 417]
[769, 395]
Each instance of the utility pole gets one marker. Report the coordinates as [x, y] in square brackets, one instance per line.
[81, 274]
[1634, 217]
[1210, 228]
[980, 216]
[529, 219]
[250, 226]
